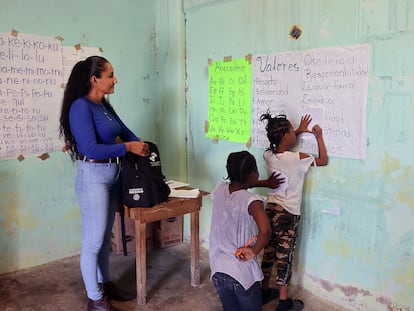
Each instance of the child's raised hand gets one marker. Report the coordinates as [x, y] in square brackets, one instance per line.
[316, 129]
[304, 123]
[275, 180]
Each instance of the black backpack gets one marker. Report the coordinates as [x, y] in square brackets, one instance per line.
[143, 183]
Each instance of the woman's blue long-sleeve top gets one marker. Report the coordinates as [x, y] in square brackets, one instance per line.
[95, 130]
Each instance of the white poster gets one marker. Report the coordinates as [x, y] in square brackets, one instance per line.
[330, 84]
[30, 94]
[71, 55]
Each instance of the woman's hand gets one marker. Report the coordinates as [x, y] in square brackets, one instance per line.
[138, 147]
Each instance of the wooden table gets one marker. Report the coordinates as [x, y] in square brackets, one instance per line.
[172, 208]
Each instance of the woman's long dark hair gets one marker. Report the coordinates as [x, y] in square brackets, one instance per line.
[78, 85]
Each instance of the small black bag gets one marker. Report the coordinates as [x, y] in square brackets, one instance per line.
[143, 183]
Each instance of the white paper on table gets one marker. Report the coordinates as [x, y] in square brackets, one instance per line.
[176, 184]
[178, 193]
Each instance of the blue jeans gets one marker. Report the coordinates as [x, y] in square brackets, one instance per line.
[234, 297]
[98, 188]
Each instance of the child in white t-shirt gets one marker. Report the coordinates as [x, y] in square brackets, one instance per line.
[283, 206]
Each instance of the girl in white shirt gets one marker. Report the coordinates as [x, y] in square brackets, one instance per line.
[283, 207]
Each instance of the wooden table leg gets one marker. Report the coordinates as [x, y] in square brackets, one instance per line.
[141, 262]
[195, 248]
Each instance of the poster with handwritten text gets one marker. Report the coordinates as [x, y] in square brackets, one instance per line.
[30, 94]
[330, 84]
[229, 103]
[71, 55]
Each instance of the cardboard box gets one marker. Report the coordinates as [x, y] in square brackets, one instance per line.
[169, 232]
[117, 246]
[171, 224]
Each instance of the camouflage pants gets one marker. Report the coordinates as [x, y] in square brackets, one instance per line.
[281, 246]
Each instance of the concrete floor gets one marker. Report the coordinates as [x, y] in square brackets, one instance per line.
[58, 286]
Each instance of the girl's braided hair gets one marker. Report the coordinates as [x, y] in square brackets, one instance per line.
[276, 127]
[240, 165]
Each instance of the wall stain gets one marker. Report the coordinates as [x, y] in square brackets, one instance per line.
[389, 165]
[405, 194]
[352, 292]
[385, 301]
[327, 285]
[403, 274]
[337, 248]
[401, 179]
[14, 214]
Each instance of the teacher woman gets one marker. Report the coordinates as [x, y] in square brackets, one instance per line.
[90, 128]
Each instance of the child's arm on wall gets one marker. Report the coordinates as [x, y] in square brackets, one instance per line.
[322, 159]
[272, 182]
[256, 209]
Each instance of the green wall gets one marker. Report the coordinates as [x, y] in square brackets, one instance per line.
[361, 258]
[39, 214]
